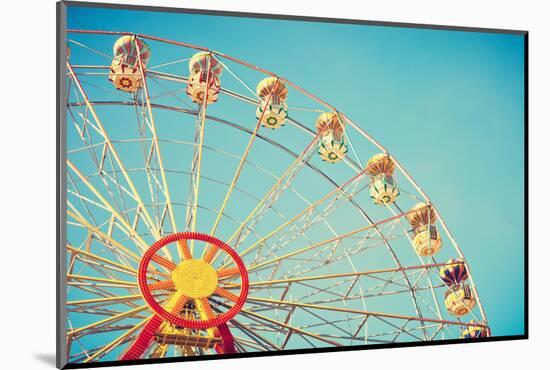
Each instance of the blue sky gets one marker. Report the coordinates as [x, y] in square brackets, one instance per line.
[447, 104]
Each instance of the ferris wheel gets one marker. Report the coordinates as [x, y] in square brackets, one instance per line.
[215, 207]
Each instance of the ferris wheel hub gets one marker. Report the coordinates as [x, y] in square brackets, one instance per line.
[195, 278]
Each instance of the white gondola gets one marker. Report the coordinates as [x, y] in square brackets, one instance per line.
[204, 78]
[125, 72]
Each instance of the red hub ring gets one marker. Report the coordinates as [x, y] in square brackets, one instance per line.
[178, 320]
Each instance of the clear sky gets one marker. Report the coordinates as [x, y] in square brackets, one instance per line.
[448, 104]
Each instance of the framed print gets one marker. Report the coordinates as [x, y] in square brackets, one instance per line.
[234, 184]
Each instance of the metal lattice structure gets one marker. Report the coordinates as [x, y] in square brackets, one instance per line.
[205, 216]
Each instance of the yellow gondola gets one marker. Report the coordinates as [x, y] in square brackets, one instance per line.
[459, 300]
[474, 332]
[332, 141]
[426, 239]
[383, 188]
[423, 215]
[273, 110]
[380, 163]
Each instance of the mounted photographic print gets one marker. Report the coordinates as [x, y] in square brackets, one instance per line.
[234, 184]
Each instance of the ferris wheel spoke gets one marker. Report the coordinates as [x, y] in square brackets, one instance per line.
[435, 311]
[289, 328]
[168, 63]
[109, 282]
[209, 253]
[272, 195]
[369, 295]
[358, 164]
[266, 72]
[338, 321]
[328, 290]
[85, 201]
[99, 312]
[182, 248]
[224, 293]
[164, 262]
[409, 178]
[305, 213]
[94, 290]
[441, 329]
[394, 332]
[107, 241]
[108, 300]
[227, 272]
[363, 312]
[109, 320]
[412, 286]
[102, 268]
[84, 204]
[216, 119]
[205, 309]
[86, 137]
[87, 72]
[132, 232]
[192, 202]
[347, 274]
[129, 270]
[391, 281]
[148, 152]
[336, 239]
[241, 343]
[113, 245]
[97, 87]
[372, 228]
[196, 164]
[326, 322]
[376, 228]
[129, 229]
[337, 252]
[239, 346]
[120, 340]
[110, 329]
[157, 77]
[255, 336]
[401, 329]
[161, 285]
[244, 84]
[290, 280]
[312, 217]
[112, 150]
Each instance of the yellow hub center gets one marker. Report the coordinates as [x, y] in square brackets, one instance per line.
[195, 278]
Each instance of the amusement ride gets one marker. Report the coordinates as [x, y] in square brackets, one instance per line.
[215, 207]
